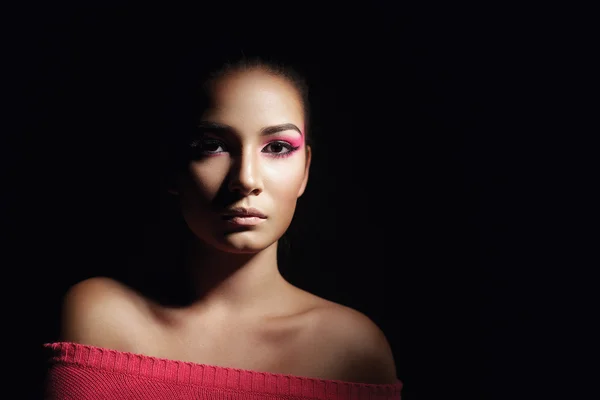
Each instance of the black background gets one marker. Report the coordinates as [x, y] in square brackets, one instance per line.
[439, 166]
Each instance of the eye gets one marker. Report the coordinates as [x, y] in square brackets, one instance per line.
[278, 148]
[208, 146]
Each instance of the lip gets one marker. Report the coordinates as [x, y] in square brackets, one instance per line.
[245, 221]
[244, 213]
[241, 216]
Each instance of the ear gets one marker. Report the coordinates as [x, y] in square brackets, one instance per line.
[171, 184]
[306, 171]
[171, 187]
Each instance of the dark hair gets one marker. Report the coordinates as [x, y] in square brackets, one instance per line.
[188, 95]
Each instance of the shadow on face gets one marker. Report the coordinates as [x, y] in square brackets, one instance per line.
[248, 156]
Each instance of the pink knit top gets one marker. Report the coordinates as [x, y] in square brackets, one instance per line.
[80, 372]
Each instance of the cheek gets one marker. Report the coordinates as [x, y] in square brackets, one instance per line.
[284, 181]
[207, 177]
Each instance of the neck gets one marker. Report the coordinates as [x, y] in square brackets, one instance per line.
[235, 282]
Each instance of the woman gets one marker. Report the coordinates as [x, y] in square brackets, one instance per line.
[238, 169]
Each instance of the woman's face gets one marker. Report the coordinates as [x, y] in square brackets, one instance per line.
[250, 163]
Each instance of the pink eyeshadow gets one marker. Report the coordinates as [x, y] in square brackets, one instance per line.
[295, 142]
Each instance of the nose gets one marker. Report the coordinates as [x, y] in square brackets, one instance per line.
[245, 174]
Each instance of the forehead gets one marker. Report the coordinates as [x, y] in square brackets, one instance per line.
[255, 97]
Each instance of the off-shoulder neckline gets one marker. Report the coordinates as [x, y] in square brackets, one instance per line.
[183, 371]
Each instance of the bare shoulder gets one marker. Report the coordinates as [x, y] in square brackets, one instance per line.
[96, 311]
[359, 347]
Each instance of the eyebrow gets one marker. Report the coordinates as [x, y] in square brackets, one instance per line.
[269, 130]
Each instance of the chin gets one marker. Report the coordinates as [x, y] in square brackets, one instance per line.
[243, 243]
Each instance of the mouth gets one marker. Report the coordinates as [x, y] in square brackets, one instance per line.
[244, 216]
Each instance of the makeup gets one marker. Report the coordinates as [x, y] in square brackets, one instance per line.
[282, 147]
[211, 141]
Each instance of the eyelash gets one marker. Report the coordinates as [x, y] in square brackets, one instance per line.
[199, 143]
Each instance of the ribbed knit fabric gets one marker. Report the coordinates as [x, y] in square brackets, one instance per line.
[80, 372]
